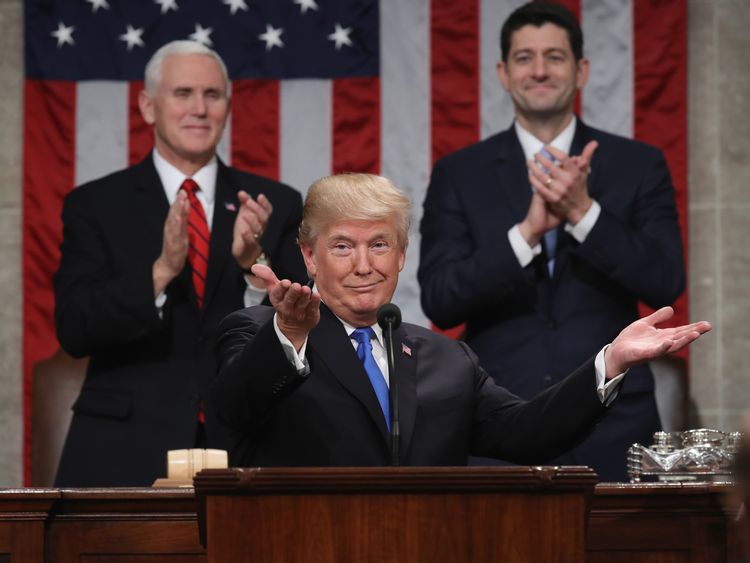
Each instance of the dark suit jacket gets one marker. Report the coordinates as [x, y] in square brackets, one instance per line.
[529, 330]
[146, 374]
[449, 407]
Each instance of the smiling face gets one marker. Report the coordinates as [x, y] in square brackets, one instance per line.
[355, 265]
[541, 73]
[188, 110]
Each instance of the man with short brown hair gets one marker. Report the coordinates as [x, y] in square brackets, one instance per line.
[544, 238]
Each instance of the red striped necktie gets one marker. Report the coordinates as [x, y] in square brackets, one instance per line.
[199, 237]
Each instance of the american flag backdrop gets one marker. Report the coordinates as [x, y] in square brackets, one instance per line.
[318, 86]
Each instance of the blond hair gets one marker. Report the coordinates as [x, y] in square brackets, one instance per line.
[353, 197]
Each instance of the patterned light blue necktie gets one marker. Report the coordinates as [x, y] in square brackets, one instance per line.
[363, 336]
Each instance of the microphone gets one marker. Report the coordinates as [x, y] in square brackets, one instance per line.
[389, 319]
[389, 315]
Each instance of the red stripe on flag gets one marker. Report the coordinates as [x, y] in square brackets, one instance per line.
[356, 125]
[255, 126]
[454, 47]
[454, 69]
[48, 174]
[140, 134]
[660, 76]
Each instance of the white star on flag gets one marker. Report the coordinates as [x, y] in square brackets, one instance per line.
[201, 35]
[96, 4]
[63, 34]
[305, 5]
[272, 37]
[235, 5]
[341, 36]
[166, 5]
[133, 37]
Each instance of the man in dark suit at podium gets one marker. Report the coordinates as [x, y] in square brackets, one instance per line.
[153, 257]
[306, 381]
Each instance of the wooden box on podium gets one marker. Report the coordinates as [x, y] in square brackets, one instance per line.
[404, 515]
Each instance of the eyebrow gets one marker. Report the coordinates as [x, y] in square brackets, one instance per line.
[343, 236]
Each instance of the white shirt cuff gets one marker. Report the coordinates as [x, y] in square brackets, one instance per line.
[524, 253]
[581, 230]
[253, 296]
[297, 359]
[160, 300]
[607, 390]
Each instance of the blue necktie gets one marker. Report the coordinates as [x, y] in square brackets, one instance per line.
[550, 237]
[550, 241]
[363, 336]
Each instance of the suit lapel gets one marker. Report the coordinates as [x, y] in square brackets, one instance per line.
[150, 197]
[331, 345]
[512, 175]
[222, 227]
[405, 354]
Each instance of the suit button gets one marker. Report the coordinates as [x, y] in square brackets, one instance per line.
[547, 380]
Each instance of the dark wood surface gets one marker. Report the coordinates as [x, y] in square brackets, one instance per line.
[124, 526]
[659, 523]
[23, 513]
[399, 515]
[644, 523]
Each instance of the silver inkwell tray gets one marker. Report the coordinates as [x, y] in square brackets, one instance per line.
[693, 455]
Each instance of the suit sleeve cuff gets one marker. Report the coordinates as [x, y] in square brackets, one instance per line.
[297, 359]
[581, 230]
[607, 390]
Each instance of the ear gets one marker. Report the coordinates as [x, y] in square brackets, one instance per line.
[146, 105]
[502, 74]
[582, 73]
[402, 260]
[308, 257]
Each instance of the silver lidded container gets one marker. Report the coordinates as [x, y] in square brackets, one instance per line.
[693, 455]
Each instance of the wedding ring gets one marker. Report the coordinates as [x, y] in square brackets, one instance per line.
[256, 236]
[548, 181]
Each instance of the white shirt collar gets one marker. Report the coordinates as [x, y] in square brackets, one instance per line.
[171, 178]
[531, 145]
[376, 327]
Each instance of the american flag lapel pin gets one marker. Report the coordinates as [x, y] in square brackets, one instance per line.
[406, 350]
[229, 206]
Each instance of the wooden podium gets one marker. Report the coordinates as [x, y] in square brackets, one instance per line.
[409, 515]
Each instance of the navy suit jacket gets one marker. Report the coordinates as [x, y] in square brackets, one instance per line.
[527, 328]
[146, 374]
[449, 407]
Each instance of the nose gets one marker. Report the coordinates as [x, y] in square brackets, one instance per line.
[539, 67]
[362, 264]
[199, 105]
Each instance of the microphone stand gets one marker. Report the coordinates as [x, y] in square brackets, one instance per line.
[395, 430]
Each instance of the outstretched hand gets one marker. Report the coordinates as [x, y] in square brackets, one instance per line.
[642, 341]
[297, 307]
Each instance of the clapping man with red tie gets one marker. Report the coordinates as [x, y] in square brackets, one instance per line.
[153, 257]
